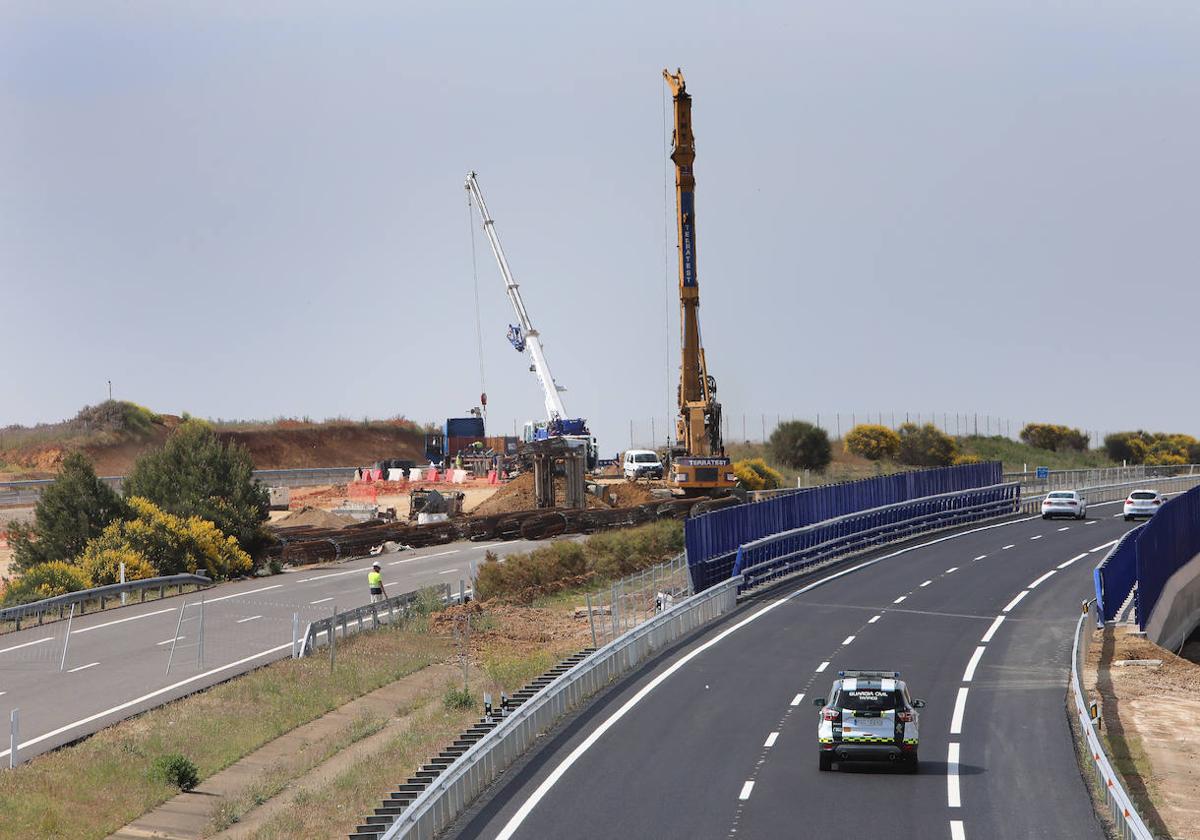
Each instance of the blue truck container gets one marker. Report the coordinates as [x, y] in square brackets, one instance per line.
[463, 427]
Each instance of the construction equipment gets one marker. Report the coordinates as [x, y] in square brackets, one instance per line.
[526, 339]
[698, 462]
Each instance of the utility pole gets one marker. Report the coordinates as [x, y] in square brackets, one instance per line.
[110, 390]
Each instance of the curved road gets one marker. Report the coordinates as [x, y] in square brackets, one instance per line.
[717, 739]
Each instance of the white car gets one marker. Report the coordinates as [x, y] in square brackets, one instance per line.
[1064, 503]
[1143, 503]
[642, 463]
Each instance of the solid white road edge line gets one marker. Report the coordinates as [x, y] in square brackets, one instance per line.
[121, 621]
[1015, 601]
[957, 832]
[952, 794]
[969, 674]
[991, 631]
[1043, 578]
[960, 708]
[156, 693]
[746, 788]
[321, 600]
[771, 739]
[796, 700]
[1072, 560]
[168, 641]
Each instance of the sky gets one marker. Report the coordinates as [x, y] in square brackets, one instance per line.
[256, 209]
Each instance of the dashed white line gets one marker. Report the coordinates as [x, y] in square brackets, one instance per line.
[1108, 544]
[796, 700]
[28, 644]
[771, 739]
[447, 571]
[969, 674]
[981, 556]
[250, 618]
[339, 574]
[168, 641]
[957, 832]
[1043, 578]
[960, 708]
[746, 788]
[952, 794]
[321, 600]
[241, 594]
[822, 667]
[951, 570]
[1092, 521]
[874, 619]
[847, 640]
[1015, 601]
[424, 557]
[898, 600]
[121, 621]
[82, 667]
[991, 631]
[1067, 528]
[1007, 547]
[2, 693]
[1036, 537]
[1072, 560]
[926, 583]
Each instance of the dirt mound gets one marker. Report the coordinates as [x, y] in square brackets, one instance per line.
[629, 493]
[519, 494]
[313, 518]
[519, 628]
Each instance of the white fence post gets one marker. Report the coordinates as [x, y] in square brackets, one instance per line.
[13, 727]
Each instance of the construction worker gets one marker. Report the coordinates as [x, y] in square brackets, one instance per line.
[375, 581]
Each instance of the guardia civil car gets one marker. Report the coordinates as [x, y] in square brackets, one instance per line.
[868, 716]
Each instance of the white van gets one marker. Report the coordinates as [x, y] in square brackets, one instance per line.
[642, 463]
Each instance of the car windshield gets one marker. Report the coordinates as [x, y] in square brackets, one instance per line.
[1062, 495]
[865, 700]
[1142, 494]
[646, 458]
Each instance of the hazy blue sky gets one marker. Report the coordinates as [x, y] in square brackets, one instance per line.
[256, 209]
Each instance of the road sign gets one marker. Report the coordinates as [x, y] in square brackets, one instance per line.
[1043, 472]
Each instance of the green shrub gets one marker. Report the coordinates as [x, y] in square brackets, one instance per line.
[873, 441]
[926, 446]
[458, 698]
[801, 446]
[1054, 437]
[176, 770]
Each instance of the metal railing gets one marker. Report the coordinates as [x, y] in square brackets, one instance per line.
[792, 552]
[368, 617]
[101, 594]
[1129, 823]
[1072, 479]
[635, 599]
[453, 790]
[1116, 492]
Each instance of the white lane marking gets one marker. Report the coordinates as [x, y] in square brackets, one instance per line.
[874, 619]
[1037, 537]
[991, 631]
[27, 644]
[951, 570]
[796, 700]
[82, 667]
[2, 693]
[1043, 578]
[1093, 521]
[1007, 547]
[447, 571]
[242, 594]
[746, 788]
[1108, 544]
[981, 556]
[1015, 601]
[822, 667]
[847, 640]
[321, 600]
[926, 583]
[771, 739]
[969, 674]
[336, 574]
[898, 600]
[168, 641]
[156, 693]
[244, 620]
[1067, 528]
[563, 766]
[960, 708]
[957, 832]
[1072, 560]
[424, 557]
[1115, 515]
[952, 794]
[122, 621]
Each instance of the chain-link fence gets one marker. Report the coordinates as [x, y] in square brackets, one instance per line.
[628, 602]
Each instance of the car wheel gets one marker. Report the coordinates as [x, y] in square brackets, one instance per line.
[824, 761]
[1045, 516]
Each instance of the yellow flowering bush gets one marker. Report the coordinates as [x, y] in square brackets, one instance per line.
[872, 441]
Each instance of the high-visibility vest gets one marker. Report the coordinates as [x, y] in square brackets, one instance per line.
[375, 579]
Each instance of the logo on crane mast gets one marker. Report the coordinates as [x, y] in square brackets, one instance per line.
[687, 203]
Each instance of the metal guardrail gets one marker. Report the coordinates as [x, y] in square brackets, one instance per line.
[82, 597]
[368, 616]
[1070, 479]
[455, 788]
[1115, 492]
[1129, 823]
[780, 555]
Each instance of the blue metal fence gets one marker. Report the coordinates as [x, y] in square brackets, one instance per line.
[1115, 575]
[712, 540]
[1164, 545]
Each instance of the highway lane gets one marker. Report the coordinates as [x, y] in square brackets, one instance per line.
[725, 745]
[117, 659]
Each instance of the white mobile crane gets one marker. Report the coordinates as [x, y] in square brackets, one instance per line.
[524, 337]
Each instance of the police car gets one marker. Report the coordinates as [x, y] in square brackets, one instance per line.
[868, 716]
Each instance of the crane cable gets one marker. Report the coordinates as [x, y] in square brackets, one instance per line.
[478, 318]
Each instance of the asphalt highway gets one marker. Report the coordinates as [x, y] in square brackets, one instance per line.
[116, 660]
[717, 738]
